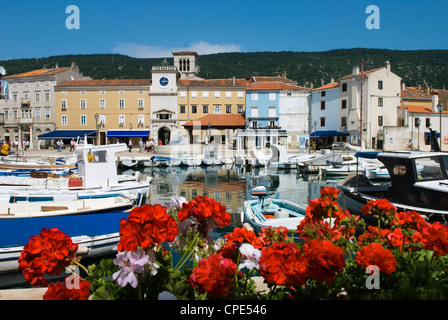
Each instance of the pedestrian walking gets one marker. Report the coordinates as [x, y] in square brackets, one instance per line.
[58, 145]
[140, 143]
[72, 145]
[130, 145]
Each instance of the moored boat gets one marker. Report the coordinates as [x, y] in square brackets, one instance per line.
[93, 223]
[266, 212]
[418, 181]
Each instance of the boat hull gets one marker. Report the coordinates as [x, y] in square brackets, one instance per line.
[95, 227]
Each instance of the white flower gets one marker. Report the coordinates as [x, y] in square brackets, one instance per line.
[252, 256]
[175, 203]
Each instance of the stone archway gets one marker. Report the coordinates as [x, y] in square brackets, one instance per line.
[164, 135]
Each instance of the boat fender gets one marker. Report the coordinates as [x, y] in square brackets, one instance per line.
[83, 250]
[248, 226]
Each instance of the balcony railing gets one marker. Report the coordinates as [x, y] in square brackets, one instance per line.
[25, 101]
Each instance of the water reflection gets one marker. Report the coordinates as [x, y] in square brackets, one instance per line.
[231, 185]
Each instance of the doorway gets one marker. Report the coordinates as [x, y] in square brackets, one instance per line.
[164, 135]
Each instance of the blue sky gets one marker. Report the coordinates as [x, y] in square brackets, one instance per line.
[33, 29]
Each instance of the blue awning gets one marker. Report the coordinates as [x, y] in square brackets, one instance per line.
[428, 134]
[328, 133]
[128, 133]
[67, 134]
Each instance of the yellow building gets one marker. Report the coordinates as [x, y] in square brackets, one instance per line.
[209, 100]
[115, 109]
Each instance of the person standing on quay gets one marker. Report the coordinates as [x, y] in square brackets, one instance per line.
[130, 145]
[140, 143]
[72, 145]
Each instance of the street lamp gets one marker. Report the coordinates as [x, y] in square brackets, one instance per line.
[440, 108]
[418, 133]
[209, 133]
[96, 127]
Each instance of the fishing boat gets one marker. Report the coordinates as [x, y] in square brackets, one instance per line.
[92, 223]
[418, 181]
[265, 212]
[97, 176]
[128, 162]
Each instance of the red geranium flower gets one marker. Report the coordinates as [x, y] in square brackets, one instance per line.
[324, 259]
[237, 236]
[214, 275]
[59, 291]
[375, 254]
[273, 234]
[330, 192]
[203, 210]
[47, 253]
[380, 209]
[283, 264]
[433, 237]
[146, 226]
[409, 220]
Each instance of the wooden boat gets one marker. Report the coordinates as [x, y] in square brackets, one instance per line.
[92, 223]
[265, 212]
[419, 181]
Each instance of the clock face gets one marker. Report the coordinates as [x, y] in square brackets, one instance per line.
[163, 81]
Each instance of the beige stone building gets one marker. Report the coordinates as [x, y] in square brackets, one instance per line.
[111, 108]
[30, 111]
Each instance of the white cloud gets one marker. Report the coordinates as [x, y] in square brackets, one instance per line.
[145, 51]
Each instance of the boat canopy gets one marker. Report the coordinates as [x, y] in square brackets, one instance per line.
[367, 154]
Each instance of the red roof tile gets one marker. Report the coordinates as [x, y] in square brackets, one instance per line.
[40, 72]
[219, 120]
[214, 82]
[414, 93]
[419, 109]
[327, 86]
[260, 86]
[364, 72]
[106, 82]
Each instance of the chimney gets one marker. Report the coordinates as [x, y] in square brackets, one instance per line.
[355, 71]
[332, 80]
[403, 86]
[73, 65]
[388, 65]
[233, 80]
[434, 102]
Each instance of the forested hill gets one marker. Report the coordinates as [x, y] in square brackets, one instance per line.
[415, 67]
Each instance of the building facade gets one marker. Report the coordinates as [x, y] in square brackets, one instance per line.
[31, 109]
[104, 105]
[373, 98]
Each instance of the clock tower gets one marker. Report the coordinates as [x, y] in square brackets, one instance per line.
[163, 96]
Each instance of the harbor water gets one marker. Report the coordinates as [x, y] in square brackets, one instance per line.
[231, 185]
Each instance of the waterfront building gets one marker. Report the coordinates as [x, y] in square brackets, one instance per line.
[200, 99]
[328, 117]
[31, 110]
[263, 111]
[418, 113]
[112, 109]
[375, 109]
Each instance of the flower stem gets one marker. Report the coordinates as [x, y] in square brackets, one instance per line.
[187, 253]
